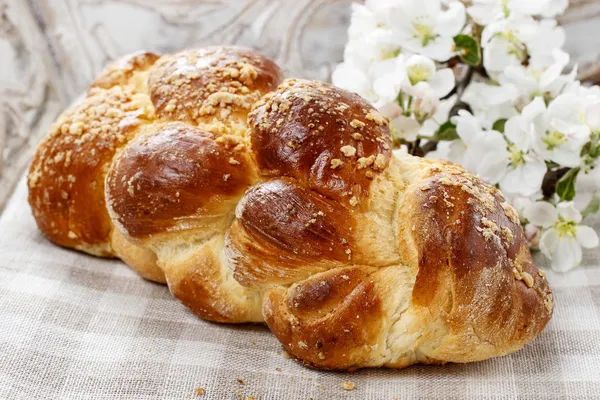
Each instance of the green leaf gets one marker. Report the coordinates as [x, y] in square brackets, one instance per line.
[499, 125]
[446, 131]
[593, 206]
[565, 187]
[468, 49]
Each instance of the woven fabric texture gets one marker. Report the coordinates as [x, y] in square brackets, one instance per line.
[77, 327]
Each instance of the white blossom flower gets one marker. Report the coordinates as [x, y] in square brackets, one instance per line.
[563, 237]
[562, 132]
[425, 101]
[401, 126]
[512, 41]
[526, 170]
[390, 82]
[421, 69]
[496, 160]
[503, 45]
[485, 11]
[542, 40]
[405, 127]
[453, 151]
[441, 115]
[490, 103]
[351, 78]
[424, 28]
[531, 82]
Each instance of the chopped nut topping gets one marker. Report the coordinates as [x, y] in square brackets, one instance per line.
[302, 345]
[233, 161]
[380, 162]
[336, 162]
[284, 106]
[348, 151]
[542, 273]
[226, 177]
[353, 201]
[527, 278]
[517, 274]
[357, 136]
[508, 235]
[348, 385]
[510, 212]
[357, 124]
[365, 162]
[376, 117]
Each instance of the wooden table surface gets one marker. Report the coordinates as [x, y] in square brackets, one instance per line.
[51, 49]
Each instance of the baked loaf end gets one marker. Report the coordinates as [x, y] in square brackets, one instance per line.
[149, 168]
[373, 260]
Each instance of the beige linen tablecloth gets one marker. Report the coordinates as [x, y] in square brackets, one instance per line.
[78, 327]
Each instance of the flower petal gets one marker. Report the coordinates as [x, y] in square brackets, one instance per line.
[439, 49]
[526, 179]
[442, 82]
[541, 213]
[451, 22]
[513, 129]
[350, 78]
[391, 110]
[467, 126]
[568, 211]
[592, 116]
[586, 236]
[498, 55]
[553, 72]
[566, 255]
[405, 127]
[548, 242]
[533, 109]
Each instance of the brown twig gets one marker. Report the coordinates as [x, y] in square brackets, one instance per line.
[550, 180]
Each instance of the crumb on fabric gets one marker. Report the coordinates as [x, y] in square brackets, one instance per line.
[348, 385]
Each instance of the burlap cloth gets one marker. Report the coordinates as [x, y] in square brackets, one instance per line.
[78, 327]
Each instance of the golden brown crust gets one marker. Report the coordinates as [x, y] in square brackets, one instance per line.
[200, 279]
[217, 82]
[66, 177]
[173, 176]
[174, 187]
[285, 232]
[470, 246]
[329, 320]
[329, 139]
[124, 70]
[464, 290]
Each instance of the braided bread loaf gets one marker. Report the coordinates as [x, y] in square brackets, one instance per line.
[257, 202]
